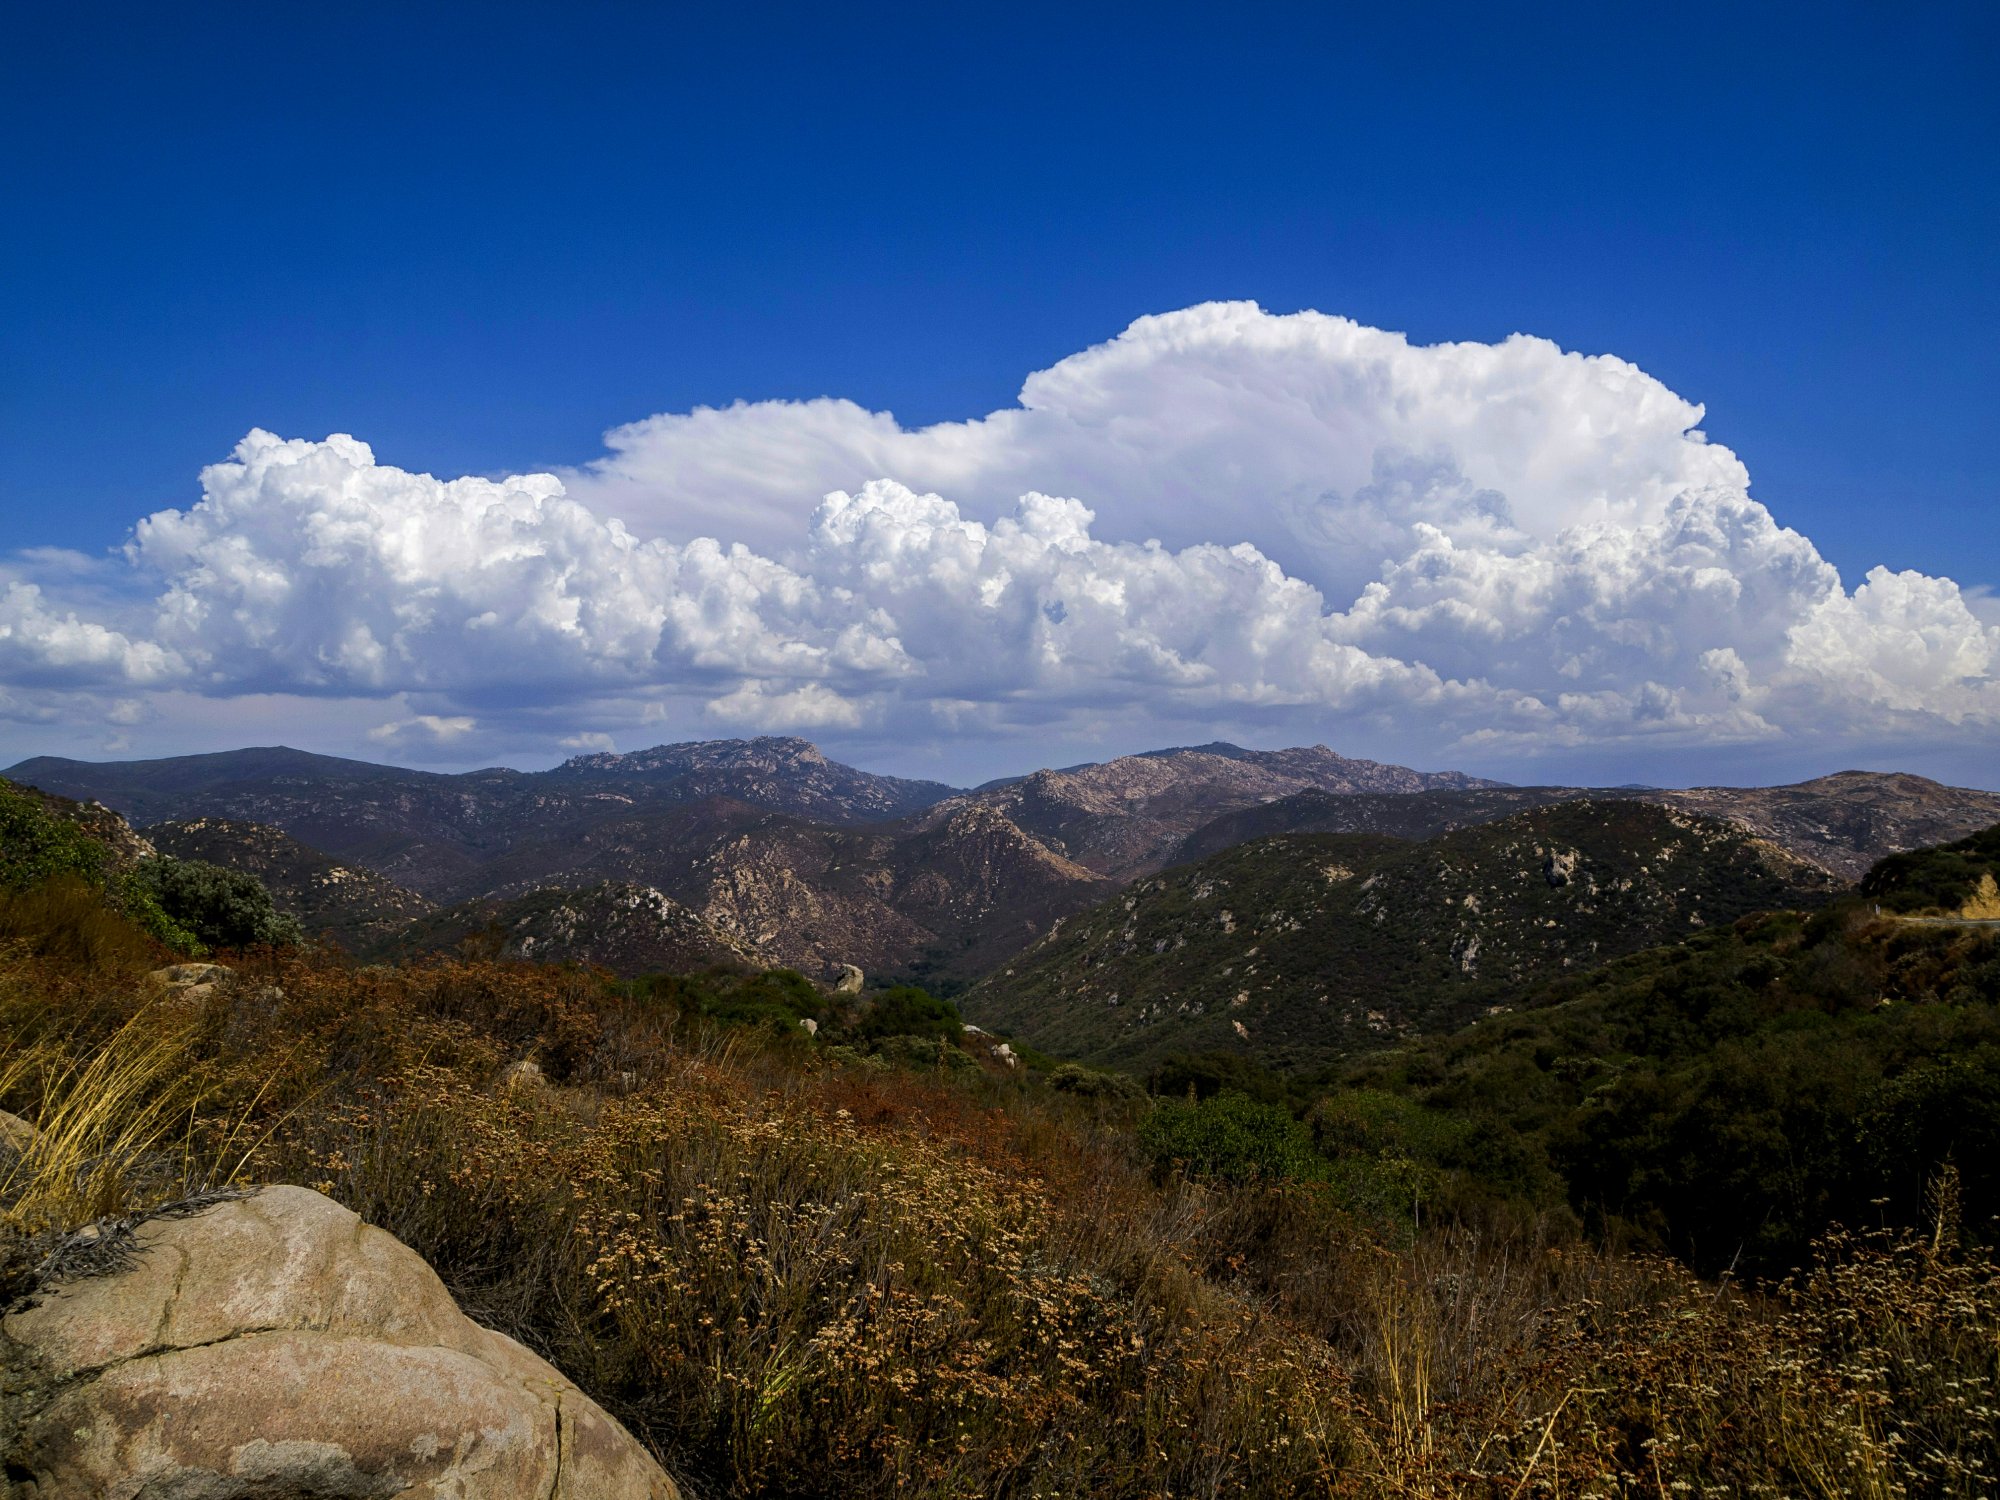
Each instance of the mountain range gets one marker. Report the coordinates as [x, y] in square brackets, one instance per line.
[784, 853]
[766, 851]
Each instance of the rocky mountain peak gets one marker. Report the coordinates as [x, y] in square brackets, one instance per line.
[1127, 816]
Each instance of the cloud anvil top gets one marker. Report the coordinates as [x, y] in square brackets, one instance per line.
[1224, 513]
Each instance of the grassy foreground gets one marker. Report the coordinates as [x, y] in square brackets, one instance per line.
[792, 1275]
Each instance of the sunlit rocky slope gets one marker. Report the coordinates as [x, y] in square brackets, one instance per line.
[1297, 948]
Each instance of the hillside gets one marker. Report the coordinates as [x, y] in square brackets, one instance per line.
[946, 898]
[1405, 815]
[1843, 823]
[1959, 880]
[1848, 821]
[61, 861]
[1723, 1098]
[628, 929]
[1295, 949]
[31, 817]
[356, 907]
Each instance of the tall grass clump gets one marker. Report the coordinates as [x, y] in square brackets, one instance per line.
[99, 1124]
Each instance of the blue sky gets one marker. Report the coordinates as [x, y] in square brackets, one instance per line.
[478, 237]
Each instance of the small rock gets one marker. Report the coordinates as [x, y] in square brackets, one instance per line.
[525, 1074]
[16, 1134]
[186, 976]
[850, 981]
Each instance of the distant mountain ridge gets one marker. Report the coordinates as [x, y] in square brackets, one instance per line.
[1843, 823]
[798, 859]
[434, 833]
[784, 773]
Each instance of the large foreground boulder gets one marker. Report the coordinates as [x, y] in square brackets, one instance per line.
[275, 1346]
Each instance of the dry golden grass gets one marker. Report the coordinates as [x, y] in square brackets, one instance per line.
[100, 1121]
[1983, 905]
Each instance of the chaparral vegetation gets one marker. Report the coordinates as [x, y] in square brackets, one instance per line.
[1715, 1219]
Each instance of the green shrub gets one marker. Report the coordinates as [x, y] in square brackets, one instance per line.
[1206, 1074]
[925, 1052]
[1074, 1078]
[40, 848]
[775, 998]
[220, 908]
[1231, 1136]
[1354, 1122]
[845, 1056]
[132, 895]
[36, 844]
[908, 1011]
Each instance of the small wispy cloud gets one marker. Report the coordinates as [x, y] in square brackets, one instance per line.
[435, 729]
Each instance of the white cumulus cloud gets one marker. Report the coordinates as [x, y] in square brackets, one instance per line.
[1221, 516]
[1317, 439]
[310, 567]
[41, 643]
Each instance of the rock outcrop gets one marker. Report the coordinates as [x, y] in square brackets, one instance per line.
[630, 929]
[186, 976]
[276, 1346]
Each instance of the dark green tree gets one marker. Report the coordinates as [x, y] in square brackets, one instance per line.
[223, 908]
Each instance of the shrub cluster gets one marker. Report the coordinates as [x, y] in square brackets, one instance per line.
[56, 874]
[222, 908]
